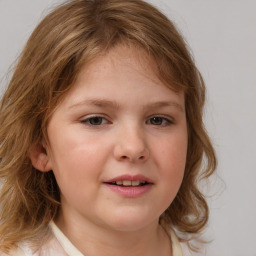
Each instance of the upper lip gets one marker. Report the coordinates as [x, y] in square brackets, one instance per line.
[137, 177]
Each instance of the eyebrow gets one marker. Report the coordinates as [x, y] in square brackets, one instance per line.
[103, 103]
[163, 104]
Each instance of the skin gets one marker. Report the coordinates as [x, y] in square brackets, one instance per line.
[117, 119]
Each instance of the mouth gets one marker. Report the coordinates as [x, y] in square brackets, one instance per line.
[128, 183]
[129, 186]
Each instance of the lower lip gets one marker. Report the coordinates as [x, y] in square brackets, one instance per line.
[130, 192]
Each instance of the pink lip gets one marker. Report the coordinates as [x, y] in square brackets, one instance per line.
[129, 192]
[130, 177]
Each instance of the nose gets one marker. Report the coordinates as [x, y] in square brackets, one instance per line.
[131, 145]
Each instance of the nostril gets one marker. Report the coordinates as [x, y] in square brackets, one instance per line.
[132, 158]
[122, 153]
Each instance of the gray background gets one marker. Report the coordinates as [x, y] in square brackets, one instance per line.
[222, 36]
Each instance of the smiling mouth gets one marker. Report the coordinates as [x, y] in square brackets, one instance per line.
[129, 183]
[130, 186]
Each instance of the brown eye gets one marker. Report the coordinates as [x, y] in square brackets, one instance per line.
[97, 120]
[159, 121]
[156, 120]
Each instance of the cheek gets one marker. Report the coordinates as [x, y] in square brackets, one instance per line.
[170, 160]
[171, 155]
[173, 151]
[76, 158]
[77, 171]
[77, 147]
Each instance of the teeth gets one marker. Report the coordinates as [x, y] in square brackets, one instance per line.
[135, 183]
[129, 183]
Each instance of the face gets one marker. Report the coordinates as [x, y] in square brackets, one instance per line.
[117, 143]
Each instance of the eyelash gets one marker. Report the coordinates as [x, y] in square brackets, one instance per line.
[90, 118]
[164, 121]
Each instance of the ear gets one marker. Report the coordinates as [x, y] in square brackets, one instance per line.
[39, 158]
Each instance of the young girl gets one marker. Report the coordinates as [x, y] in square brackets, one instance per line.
[102, 143]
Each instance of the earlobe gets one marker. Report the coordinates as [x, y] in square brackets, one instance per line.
[39, 158]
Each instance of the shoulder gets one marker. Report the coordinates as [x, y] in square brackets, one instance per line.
[202, 249]
[50, 248]
[182, 248]
[185, 249]
[15, 252]
[20, 251]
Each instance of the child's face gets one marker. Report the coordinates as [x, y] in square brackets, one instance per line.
[118, 143]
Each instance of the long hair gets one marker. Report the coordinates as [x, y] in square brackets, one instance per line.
[66, 40]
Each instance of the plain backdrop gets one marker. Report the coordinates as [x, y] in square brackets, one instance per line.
[222, 36]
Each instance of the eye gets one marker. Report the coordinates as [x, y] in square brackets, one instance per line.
[159, 121]
[95, 121]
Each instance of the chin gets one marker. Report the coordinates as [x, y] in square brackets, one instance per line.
[130, 221]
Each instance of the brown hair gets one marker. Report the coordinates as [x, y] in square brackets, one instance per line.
[67, 39]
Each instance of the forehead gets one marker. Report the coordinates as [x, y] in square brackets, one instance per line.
[129, 57]
[122, 72]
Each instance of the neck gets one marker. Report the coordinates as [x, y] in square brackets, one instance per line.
[93, 240]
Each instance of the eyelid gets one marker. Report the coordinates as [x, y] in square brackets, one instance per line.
[168, 119]
[85, 119]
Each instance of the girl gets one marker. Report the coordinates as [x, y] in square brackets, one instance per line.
[101, 136]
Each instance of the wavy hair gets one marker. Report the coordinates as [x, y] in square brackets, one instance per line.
[67, 39]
